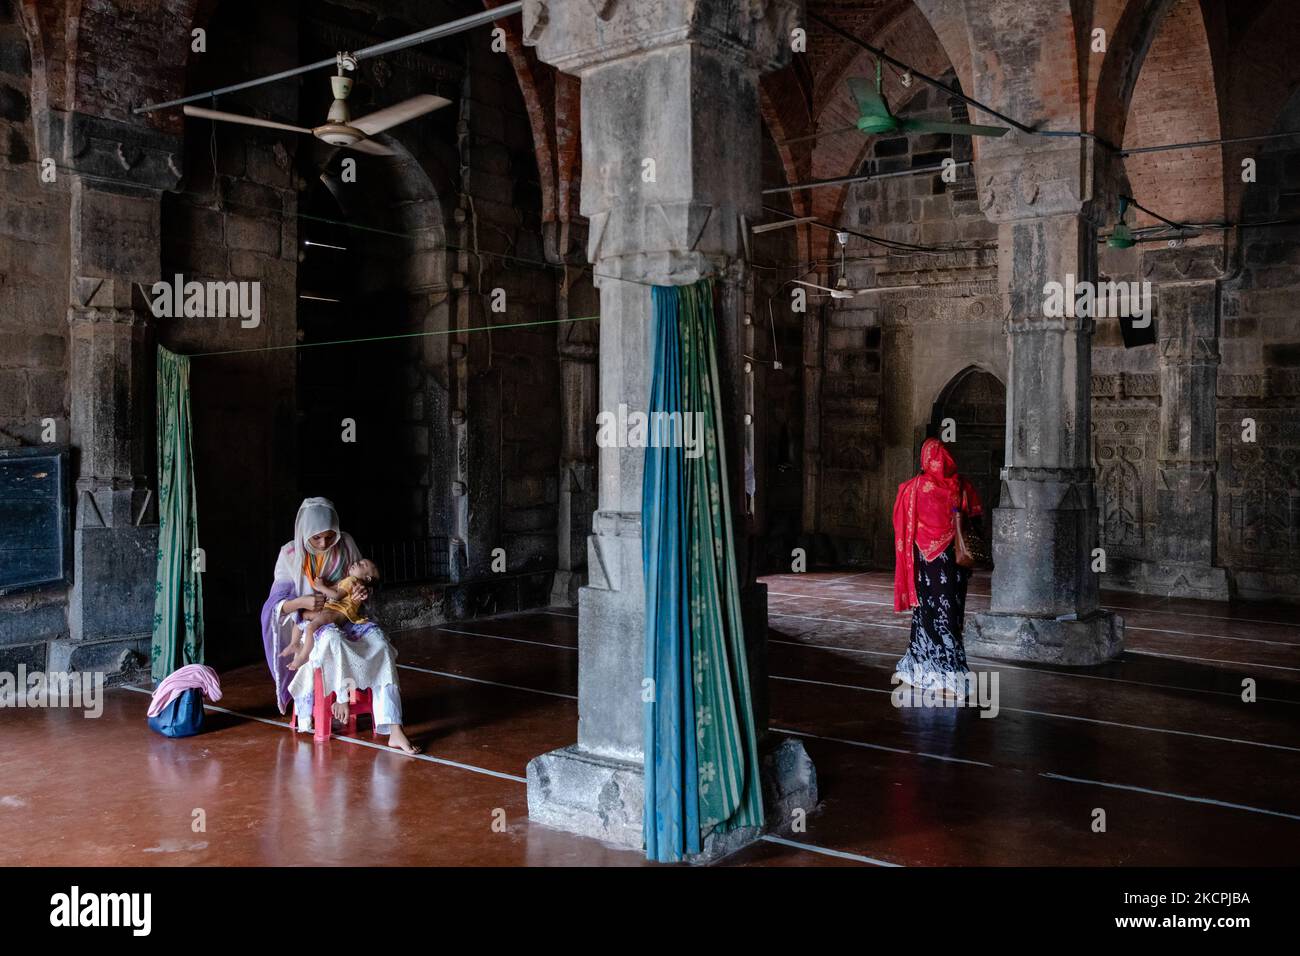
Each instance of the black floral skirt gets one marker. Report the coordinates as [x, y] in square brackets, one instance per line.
[935, 655]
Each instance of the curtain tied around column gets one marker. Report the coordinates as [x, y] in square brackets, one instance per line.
[701, 751]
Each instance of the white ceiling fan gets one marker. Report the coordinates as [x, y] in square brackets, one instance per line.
[841, 290]
[339, 129]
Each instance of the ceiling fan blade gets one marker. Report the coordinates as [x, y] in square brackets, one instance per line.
[771, 226]
[391, 116]
[814, 285]
[829, 132]
[371, 147]
[958, 129]
[870, 100]
[246, 120]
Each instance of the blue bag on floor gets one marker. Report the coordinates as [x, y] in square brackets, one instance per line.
[183, 717]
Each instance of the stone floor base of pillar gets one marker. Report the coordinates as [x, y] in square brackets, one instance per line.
[1169, 579]
[604, 798]
[1045, 640]
[120, 659]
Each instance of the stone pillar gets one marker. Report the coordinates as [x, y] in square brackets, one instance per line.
[812, 428]
[1045, 593]
[118, 173]
[670, 158]
[114, 235]
[1181, 561]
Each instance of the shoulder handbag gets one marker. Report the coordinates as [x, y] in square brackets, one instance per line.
[972, 549]
[183, 717]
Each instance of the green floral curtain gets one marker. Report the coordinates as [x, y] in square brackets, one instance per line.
[701, 742]
[178, 588]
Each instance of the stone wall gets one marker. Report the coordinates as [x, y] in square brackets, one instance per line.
[515, 380]
[888, 357]
[782, 394]
[460, 210]
[33, 321]
[1252, 516]
[1125, 426]
[885, 360]
[1258, 519]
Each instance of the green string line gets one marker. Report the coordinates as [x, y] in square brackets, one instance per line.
[389, 338]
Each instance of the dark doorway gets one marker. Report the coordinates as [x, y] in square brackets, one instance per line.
[977, 404]
[364, 418]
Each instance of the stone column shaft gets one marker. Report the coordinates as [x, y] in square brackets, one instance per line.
[1047, 517]
[667, 176]
[1189, 371]
[1044, 604]
[115, 258]
[670, 160]
[1182, 558]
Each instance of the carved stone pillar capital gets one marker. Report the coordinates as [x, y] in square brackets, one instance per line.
[579, 35]
[1164, 264]
[1025, 177]
[670, 127]
[109, 151]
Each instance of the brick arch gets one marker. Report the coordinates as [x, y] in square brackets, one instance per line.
[872, 20]
[44, 25]
[1131, 28]
[552, 100]
[79, 62]
[397, 269]
[960, 381]
[910, 37]
[412, 197]
[537, 85]
[1176, 99]
[785, 104]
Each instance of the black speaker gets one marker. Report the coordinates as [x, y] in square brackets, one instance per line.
[1133, 337]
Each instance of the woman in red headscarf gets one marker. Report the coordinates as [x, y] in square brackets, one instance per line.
[927, 579]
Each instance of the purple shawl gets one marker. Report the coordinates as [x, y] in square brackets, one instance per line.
[280, 591]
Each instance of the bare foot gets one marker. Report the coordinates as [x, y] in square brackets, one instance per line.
[289, 651]
[299, 659]
[340, 710]
[397, 739]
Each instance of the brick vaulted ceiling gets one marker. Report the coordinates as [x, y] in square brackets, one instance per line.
[833, 56]
[801, 102]
[794, 99]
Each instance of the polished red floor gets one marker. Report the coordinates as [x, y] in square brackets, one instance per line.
[1160, 742]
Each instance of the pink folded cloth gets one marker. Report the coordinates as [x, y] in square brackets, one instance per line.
[182, 679]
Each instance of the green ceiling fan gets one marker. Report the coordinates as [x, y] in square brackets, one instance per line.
[876, 118]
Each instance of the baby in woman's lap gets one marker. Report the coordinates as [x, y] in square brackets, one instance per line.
[341, 607]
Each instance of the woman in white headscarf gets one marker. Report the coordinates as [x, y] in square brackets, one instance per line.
[352, 656]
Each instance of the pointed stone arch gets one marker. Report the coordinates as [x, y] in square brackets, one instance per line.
[976, 402]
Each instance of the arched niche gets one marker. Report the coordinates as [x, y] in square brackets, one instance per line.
[975, 402]
[374, 416]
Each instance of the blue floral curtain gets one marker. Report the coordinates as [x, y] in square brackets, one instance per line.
[178, 588]
[701, 751]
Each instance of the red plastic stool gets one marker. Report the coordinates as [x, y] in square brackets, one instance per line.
[360, 702]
